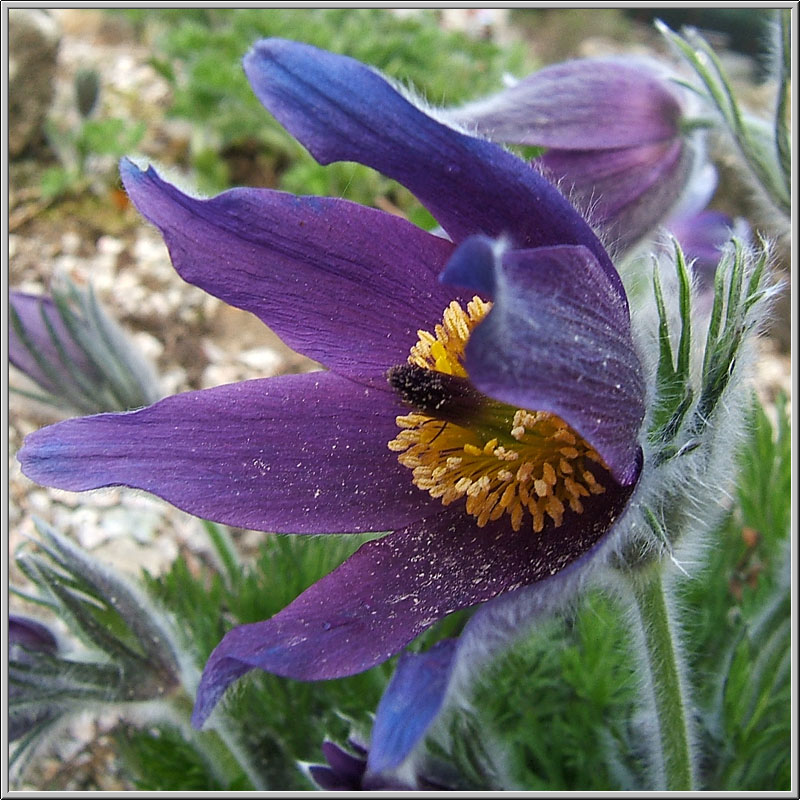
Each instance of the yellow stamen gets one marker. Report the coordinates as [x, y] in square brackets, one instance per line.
[550, 462]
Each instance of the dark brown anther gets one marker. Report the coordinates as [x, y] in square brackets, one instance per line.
[446, 397]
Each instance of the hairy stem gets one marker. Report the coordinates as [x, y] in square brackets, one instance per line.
[662, 661]
[218, 747]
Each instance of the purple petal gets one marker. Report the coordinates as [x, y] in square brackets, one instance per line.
[629, 191]
[346, 285]
[30, 635]
[702, 238]
[699, 190]
[342, 763]
[509, 618]
[409, 704]
[392, 589]
[330, 781]
[297, 453]
[557, 339]
[586, 104]
[32, 311]
[342, 110]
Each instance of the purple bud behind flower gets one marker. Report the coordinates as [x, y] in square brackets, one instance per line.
[612, 133]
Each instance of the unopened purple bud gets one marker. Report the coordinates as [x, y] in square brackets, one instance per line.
[26, 634]
[67, 345]
[702, 238]
[613, 134]
[26, 639]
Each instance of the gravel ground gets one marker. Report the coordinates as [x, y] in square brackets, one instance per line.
[195, 340]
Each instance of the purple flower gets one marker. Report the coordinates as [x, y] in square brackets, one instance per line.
[75, 353]
[613, 133]
[27, 635]
[42, 327]
[504, 445]
[409, 704]
[27, 639]
[347, 771]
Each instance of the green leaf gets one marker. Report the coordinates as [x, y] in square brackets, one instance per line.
[754, 138]
[57, 181]
[727, 329]
[111, 137]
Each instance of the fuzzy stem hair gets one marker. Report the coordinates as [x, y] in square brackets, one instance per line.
[665, 683]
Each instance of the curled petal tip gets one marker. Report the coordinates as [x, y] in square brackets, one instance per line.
[130, 171]
[472, 266]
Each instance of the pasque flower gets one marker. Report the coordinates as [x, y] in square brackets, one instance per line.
[33, 345]
[76, 354]
[409, 704]
[346, 770]
[613, 129]
[483, 397]
[28, 640]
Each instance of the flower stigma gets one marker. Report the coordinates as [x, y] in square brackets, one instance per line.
[459, 443]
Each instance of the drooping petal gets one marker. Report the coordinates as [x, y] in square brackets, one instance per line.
[497, 625]
[699, 190]
[297, 453]
[342, 110]
[557, 339]
[391, 589]
[586, 104]
[629, 191]
[35, 313]
[411, 701]
[346, 285]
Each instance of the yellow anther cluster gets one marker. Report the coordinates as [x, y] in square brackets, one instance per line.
[541, 466]
[443, 350]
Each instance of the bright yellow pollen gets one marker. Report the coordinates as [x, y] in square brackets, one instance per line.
[541, 469]
[443, 351]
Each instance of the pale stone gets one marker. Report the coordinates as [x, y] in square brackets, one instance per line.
[33, 40]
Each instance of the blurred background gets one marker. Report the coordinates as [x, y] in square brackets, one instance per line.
[88, 86]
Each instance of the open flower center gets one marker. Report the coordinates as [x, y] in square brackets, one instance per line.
[461, 444]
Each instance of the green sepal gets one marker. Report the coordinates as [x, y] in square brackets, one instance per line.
[725, 337]
[82, 612]
[673, 385]
[90, 389]
[121, 607]
[102, 395]
[123, 372]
